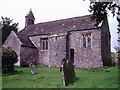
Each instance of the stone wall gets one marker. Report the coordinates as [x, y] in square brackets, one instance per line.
[83, 57]
[57, 49]
[13, 43]
[28, 55]
[105, 44]
[86, 57]
[43, 55]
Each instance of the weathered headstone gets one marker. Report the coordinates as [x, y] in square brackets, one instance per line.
[33, 68]
[64, 69]
[68, 72]
[116, 62]
[72, 76]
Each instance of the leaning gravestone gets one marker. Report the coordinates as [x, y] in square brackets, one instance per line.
[68, 72]
[72, 76]
[64, 70]
[33, 68]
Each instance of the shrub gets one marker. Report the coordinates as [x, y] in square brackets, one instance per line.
[9, 57]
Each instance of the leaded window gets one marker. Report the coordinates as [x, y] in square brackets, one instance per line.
[86, 40]
[44, 43]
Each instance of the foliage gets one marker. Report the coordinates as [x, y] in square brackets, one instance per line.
[9, 57]
[7, 26]
[0, 34]
[117, 49]
[46, 77]
[99, 10]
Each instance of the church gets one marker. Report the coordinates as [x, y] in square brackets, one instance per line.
[47, 43]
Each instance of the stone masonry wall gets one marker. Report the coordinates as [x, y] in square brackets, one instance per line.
[43, 55]
[105, 44]
[28, 55]
[86, 57]
[57, 50]
[13, 43]
[83, 57]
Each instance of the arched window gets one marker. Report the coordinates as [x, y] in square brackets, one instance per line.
[44, 43]
[32, 21]
[28, 21]
[72, 55]
[89, 42]
[86, 40]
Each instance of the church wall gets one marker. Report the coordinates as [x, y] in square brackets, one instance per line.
[57, 49]
[43, 55]
[105, 44]
[13, 43]
[28, 55]
[86, 57]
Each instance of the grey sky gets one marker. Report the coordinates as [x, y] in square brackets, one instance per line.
[49, 10]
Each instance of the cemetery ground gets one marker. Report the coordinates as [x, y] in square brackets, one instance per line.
[47, 77]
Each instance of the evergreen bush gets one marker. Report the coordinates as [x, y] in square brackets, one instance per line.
[9, 58]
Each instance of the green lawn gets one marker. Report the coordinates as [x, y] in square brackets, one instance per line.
[106, 77]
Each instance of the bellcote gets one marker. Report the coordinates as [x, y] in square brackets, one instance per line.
[29, 19]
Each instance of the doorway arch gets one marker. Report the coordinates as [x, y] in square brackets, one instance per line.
[72, 55]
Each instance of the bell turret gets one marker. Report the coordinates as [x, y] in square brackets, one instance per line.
[29, 19]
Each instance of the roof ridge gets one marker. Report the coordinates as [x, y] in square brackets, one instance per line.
[63, 19]
[62, 25]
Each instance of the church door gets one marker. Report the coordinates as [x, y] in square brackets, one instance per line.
[72, 55]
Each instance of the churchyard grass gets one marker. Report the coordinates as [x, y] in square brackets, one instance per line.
[46, 77]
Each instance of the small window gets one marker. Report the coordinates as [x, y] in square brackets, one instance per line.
[28, 21]
[89, 41]
[44, 43]
[43, 46]
[86, 40]
[32, 21]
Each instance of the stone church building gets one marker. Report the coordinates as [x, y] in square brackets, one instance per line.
[47, 43]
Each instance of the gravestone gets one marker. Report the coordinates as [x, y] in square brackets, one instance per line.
[72, 76]
[68, 73]
[116, 62]
[64, 70]
[33, 68]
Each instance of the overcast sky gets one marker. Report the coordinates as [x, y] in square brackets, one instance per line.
[49, 10]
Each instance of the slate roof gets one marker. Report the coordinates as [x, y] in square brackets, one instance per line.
[25, 41]
[64, 25]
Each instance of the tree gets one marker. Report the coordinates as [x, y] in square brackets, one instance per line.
[99, 10]
[7, 26]
[9, 57]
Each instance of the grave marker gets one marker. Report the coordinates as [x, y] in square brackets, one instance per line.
[33, 68]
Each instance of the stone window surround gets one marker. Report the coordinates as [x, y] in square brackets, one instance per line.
[86, 35]
[44, 44]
